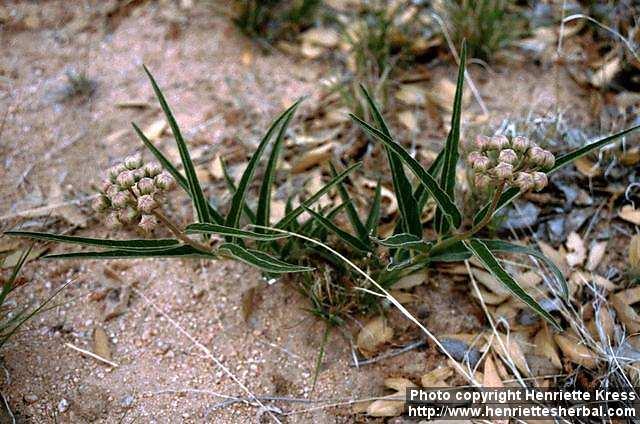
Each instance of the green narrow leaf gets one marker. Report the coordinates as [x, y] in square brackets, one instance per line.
[231, 185]
[451, 148]
[374, 213]
[482, 252]
[352, 241]
[200, 203]
[134, 244]
[403, 240]
[260, 260]
[442, 199]
[263, 213]
[352, 213]
[233, 217]
[166, 164]
[402, 187]
[291, 216]
[506, 247]
[509, 195]
[183, 251]
[231, 232]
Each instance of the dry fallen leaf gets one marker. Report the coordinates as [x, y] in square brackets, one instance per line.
[409, 120]
[155, 130]
[622, 302]
[577, 250]
[603, 76]
[596, 253]
[634, 254]
[546, 346]
[443, 92]
[312, 157]
[412, 94]
[587, 168]
[575, 352]
[101, 345]
[391, 408]
[411, 280]
[556, 256]
[436, 377]
[630, 214]
[215, 169]
[513, 352]
[490, 374]
[324, 37]
[373, 335]
[490, 282]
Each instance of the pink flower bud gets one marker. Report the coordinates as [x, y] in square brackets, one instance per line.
[112, 221]
[112, 191]
[482, 163]
[498, 142]
[164, 181]
[471, 158]
[121, 199]
[148, 223]
[549, 160]
[127, 215]
[133, 162]
[524, 181]
[126, 179]
[508, 156]
[146, 186]
[539, 180]
[105, 185]
[481, 142]
[147, 203]
[503, 170]
[114, 171]
[520, 144]
[100, 203]
[152, 169]
[536, 155]
[482, 181]
[138, 174]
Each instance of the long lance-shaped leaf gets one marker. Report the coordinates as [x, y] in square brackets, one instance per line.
[233, 217]
[231, 232]
[403, 240]
[134, 245]
[352, 213]
[510, 194]
[291, 216]
[263, 213]
[406, 202]
[184, 251]
[200, 203]
[451, 148]
[177, 175]
[260, 260]
[374, 212]
[352, 241]
[506, 247]
[231, 185]
[442, 199]
[482, 252]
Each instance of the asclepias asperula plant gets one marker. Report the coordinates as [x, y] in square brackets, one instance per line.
[506, 167]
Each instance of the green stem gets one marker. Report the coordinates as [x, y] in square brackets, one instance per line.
[178, 233]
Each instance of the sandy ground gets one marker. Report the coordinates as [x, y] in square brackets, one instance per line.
[224, 91]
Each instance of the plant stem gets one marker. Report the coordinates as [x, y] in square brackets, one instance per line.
[443, 244]
[178, 233]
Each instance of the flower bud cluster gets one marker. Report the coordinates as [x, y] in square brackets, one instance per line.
[131, 192]
[517, 161]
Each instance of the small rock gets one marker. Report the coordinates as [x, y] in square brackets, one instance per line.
[556, 228]
[63, 405]
[127, 401]
[30, 398]
[460, 351]
[526, 215]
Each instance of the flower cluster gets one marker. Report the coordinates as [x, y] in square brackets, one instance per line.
[519, 162]
[131, 192]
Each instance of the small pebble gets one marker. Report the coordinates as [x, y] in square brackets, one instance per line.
[63, 405]
[127, 401]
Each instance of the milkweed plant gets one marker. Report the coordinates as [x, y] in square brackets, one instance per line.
[134, 192]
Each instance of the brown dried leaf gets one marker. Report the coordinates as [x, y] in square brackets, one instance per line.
[101, 344]
[312, 157]
[412, 94]
[490, 282]
[411, 280]
[391, 408]
[557, 257]
[409, 120]
[324, 37]
[436, 377]
[373, 335]
[155, 130]
[577, 250]
[546, 346]
[587, 168]
[528, 279]
[513, 352]
[575, 352]
[628, 213]
[596, 253]
[490, 374]
[634, 254]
